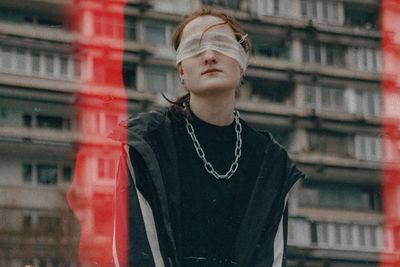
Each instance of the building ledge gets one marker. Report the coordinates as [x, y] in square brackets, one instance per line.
[309, 158]
[36, 32]
[340, 215]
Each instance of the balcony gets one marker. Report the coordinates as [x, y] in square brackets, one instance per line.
[33, 197]
[328, 238]
[363, 17]
[230, 4]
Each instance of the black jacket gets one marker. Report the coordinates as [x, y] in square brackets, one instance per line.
[143, 207]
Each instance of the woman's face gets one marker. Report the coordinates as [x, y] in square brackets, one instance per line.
[209, 73]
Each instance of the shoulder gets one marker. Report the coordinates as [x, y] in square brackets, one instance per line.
[264, 136]
[139, 125]
[147, 122]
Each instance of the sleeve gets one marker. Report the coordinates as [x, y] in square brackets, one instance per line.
[292, 173]
[132, 232]
[285, 220]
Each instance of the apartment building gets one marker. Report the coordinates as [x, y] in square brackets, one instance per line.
[314, 81]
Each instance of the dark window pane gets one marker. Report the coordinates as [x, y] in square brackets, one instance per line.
[77, 68]
[155, 34]
[314, 233]
[129, 74]
[42, 263]
[306, 52]
[67, 174]
[47, 174]
[35, 63]
[330, 54]
[53, 122]
[49, 225]
[304, 8]
[6, 58]
[27, 223]
[130, 28]
[27, 120]
[101, 168]
[64, 66]
[20, 60]
[317, 53]
[338, 235]
[49, 64]
[27, 173]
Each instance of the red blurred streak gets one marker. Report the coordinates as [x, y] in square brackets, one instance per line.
[100, 103]
[390, 22]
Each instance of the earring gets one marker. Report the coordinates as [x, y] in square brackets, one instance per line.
[182, 81]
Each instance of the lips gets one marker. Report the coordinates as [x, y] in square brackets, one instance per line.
[210, 71]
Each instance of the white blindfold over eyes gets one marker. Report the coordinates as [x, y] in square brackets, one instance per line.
[196, 44]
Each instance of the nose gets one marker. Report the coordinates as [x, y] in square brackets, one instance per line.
[209, 57]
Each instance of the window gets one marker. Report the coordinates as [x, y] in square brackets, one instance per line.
[322, 11]
[323, 233]
[161, 80]
[77, 68]
[329, 143]
[130, 28]
[314, 233]
[368, 103]
[362, 236]
[6, 58]
[338, 234]
[361, 17]
[42, 263]
[271, 8]
[27, 120]
[325, 98]
[233, 4]
[270, 47]
[299, 232]
[64, 66]
[340, 196]
[322, 53]
[270, 91]
[27, 223]
[108, 25]
[129, 74]
[52, 122]
[345, 235]
[348, 231]
[155, 33]
[106, 168]
[365, 59]
[304, 12]
[47, 174]
[67, 174]
[36, 63]
[49, 66]
[368, 148]
[49, 225]
[27, 173]
[20, 60]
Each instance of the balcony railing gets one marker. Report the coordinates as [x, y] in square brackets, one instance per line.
[334, 235]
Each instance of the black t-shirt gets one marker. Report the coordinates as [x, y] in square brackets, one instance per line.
[211, 209]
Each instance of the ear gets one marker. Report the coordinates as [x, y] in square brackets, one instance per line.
[180, 70]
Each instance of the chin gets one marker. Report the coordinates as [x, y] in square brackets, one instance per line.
[215, 88]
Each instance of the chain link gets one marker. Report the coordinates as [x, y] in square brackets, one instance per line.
[238, 149]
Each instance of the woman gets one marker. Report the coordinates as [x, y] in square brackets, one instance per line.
[204, 188]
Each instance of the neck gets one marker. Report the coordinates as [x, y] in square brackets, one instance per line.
[214, 110]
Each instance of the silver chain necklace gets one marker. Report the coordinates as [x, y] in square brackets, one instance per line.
[200, 152]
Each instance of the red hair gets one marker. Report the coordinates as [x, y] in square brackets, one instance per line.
[205, 11]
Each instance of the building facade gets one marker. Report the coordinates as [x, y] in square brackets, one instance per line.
[314, 81]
